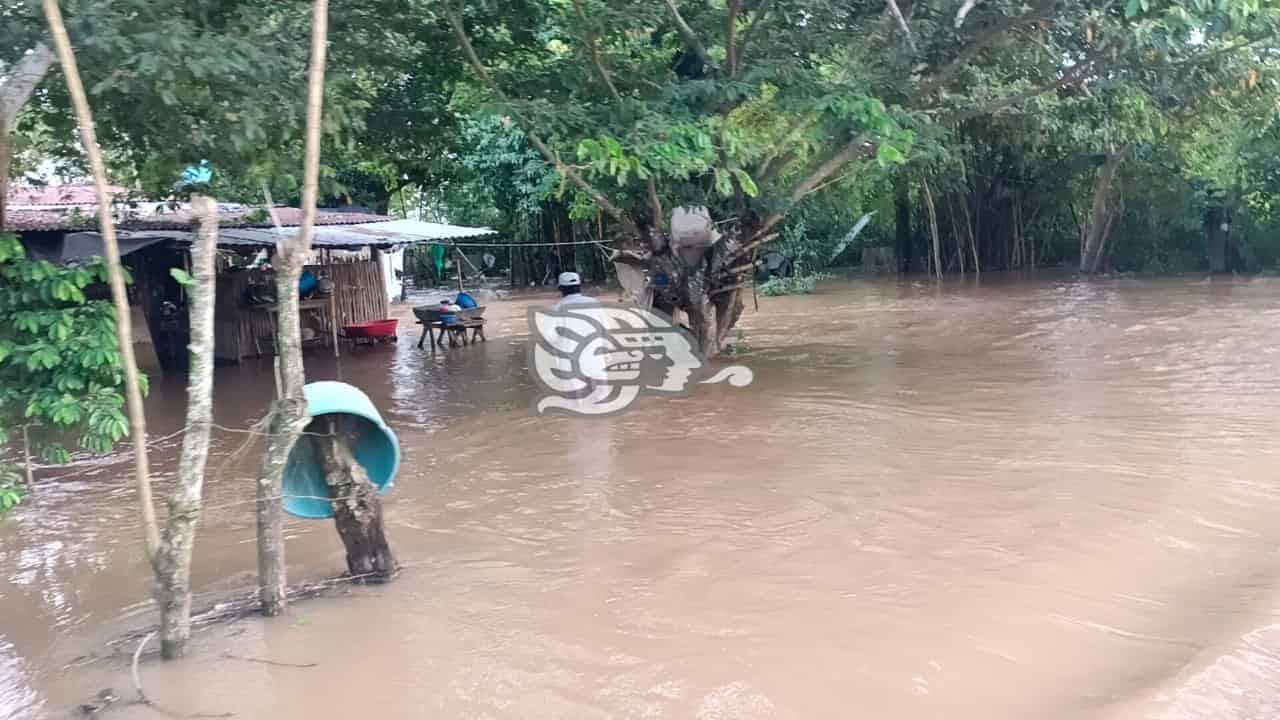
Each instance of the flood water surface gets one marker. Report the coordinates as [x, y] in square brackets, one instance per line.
[1031, 498]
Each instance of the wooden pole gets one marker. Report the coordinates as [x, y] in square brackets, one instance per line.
[289, 415]
[173, 564]
[458, 260]
[26, 456]
[115, 273]
[333, 318]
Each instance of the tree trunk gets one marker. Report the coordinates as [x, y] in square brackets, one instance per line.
[1217, 227]
[707, 288]
[289, 413]
[6, 165]
[357, 510]
[173, 562]
[902, 205]
[16, 86]
[933, 228]
[1097, 227]
[287, 419]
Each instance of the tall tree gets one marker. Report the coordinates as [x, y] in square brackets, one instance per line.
[289, 414]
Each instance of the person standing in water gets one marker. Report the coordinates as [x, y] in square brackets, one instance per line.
[571, 290]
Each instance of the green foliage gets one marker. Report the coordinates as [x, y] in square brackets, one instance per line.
[738, 346]
[60, 365]
[12, 491]
[1015, 108]
[794, 285]
[182, 277]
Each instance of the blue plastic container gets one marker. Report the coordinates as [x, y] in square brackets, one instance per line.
[376, 449]
[307, 283]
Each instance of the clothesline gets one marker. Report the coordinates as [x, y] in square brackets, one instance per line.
[446, 243]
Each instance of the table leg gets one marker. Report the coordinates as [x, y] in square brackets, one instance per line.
[333, 319]
[425, 329]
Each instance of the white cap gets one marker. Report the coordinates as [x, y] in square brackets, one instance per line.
[569, 278]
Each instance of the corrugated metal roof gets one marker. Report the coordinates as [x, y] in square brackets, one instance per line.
[375, 234]
[74, 194]
[29, 220]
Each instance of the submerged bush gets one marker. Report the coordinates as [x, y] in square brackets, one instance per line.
[796, 285]
[11, 489]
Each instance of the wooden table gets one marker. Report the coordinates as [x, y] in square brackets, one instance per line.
[456, 331]
[324, 305]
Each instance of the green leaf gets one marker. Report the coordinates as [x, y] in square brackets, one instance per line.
[1132, 7]
[182, 276]
[723, 185]
[748, 185]
[888, 154]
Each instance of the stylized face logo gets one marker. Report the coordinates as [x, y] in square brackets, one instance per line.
[597, 359]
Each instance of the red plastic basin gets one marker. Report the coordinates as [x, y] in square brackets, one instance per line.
[371, 329]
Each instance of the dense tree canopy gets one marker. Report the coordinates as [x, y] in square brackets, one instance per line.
[983, 134]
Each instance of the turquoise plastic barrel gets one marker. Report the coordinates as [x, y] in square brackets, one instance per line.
[376, 449]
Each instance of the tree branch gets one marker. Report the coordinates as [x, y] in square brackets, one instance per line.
[655, 204]
[858, 147]
[984, 39]
[963, 12]
[469, 51]
[760, 15]
[771, 167]
[902, 24]
[1202, 57]
[21, 80]
[804, 122]
[731, 36]
[311, 151]
[1076, 75]
[686, 32]
[629, 257]
[594, 48]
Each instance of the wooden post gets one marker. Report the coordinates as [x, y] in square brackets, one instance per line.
[26, 456]
[111, 257]
[173, 564]
[289, 414]
[333, 318]
[459, 263]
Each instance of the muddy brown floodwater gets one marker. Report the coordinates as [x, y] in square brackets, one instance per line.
[1029, 498]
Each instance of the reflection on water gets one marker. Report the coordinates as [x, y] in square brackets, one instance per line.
[1029, 498]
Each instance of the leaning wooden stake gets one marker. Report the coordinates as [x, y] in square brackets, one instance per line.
[289, 413]
[111, 254]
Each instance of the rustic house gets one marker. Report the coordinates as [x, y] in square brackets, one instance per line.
[354, 255]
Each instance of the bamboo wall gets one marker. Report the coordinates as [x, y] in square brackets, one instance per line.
[359, 294]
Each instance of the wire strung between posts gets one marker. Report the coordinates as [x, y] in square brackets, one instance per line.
[446, 243]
